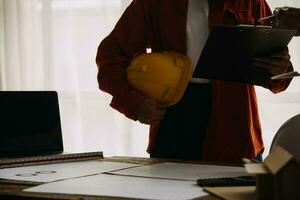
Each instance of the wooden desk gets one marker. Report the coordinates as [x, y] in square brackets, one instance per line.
[12, 190]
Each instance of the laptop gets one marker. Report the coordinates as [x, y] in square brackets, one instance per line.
[30, 130]
[29, 123]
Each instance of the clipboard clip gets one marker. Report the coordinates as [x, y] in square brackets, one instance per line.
[253, 26]
[265, 29]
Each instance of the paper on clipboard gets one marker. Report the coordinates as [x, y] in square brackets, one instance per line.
[183, 171]
[59, 171]
[105, 185]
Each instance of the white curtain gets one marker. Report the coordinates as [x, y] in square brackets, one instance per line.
[51, 45]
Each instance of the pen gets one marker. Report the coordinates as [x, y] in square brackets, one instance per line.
[275, 14]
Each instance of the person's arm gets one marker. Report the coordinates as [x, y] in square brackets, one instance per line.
[288, 18]
[114, 55]
[285, 18]
[277, 62]
[115, 52]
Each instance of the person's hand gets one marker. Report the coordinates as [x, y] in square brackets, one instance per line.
[287, 18]
[276, 63]
[151, 112]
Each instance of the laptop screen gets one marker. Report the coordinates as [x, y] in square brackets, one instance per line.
[29, 123]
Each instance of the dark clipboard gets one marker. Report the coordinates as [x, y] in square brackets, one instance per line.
[230, 50]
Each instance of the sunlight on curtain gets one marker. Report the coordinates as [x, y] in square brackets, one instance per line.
[78, 27]
[51, 45]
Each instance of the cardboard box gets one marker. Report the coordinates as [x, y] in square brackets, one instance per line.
[278, 178]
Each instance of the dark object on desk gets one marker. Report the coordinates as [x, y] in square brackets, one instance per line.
[29, 124]
[230, 50]
[230, 181]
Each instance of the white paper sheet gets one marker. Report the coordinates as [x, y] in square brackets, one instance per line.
[59, 171]
[182, 171]
[123, 186]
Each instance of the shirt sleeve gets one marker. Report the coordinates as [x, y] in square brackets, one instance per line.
[114, 55]
[261, 10]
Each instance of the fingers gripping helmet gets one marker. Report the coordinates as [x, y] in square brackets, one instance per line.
[160, 76]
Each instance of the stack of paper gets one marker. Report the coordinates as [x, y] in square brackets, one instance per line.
[159, 181]
[124, 186]
[60, 171]
[183, 171]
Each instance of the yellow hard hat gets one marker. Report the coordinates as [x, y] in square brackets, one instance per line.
[160, 76]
